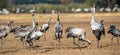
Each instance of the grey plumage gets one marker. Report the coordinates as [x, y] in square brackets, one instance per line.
[27, 27]
[5, 30]
[38, 34]
[58, 29]
[114, 31]
[45, 27]
[97, 28]
[24, 33]
[35, 36]
[102, 28]
[98, 33]
[8, 28]
[76, 33]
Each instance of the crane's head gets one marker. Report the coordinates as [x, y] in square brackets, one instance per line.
[111, 28]
[36, 23]
[102, 21]
[10, 23]
[67, 30]
[49, 19]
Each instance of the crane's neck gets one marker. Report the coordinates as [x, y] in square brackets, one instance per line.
[48, 21]
[9, 28]
[58, 18]
[93, 19]
[93, 15]
[33, 23]
[9, 24]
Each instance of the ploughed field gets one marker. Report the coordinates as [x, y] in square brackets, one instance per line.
[48, 46]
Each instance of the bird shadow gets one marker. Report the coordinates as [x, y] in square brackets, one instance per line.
[105, 46]
[45, 51]
[78, 46]
[9, 50]
[48, 49]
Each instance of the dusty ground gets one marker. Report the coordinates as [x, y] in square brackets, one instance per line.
[48, 47]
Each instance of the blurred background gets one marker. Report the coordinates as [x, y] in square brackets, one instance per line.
[51, 6]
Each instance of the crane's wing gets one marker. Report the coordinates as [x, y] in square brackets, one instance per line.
[102, 28]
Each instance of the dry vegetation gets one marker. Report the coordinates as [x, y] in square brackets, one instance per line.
[48, 47]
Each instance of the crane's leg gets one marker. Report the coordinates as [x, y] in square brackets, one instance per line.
[37, 43]
[34, 41]
[1, 43]
[59, 43]
[44, 35]
[98, 44]
[55, 39]
[112, 40]
[117, 40]
[86, 41]
[74, 42]
[24, 44]
[17, 42]
[25, 41]
[30, 42]
[22, 41]
[79, 44]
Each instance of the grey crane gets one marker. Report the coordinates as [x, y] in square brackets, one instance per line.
[4, 31]
[23, 34]
[35, 36]
[45, 27]
[97, 28]
[27, 27]
[38, 34]
[76, 33]
[115, 32]
[58, 29]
